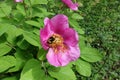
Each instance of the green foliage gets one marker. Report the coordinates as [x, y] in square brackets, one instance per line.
[64, 73]
[33, 23]
[32, 71]
[11, 34]
[21, 54]
[10, 78]
[90, 54]
[5, 9]
[6, 62]
[74, 24]
[31, 38]
[21, 58]
[3, 28]
[38, 2]
[102, 28]
[83, 68]
[4, 49]
[41, 54]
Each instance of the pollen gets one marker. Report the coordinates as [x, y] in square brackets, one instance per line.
[56, 42]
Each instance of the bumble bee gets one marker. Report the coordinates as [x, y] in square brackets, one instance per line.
[51, 40]
[55, 41]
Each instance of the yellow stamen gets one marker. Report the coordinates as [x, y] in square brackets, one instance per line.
[56, 42]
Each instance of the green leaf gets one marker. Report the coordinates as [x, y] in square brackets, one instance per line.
[41, 54]
[23, 44]
[7, 62]
[45, 12]
[90, 54]
[33, 2]
[33, 23]
[83, 68]
[36, 31]
[82, 44]
[21, 9]
[2, 39]
[18, 16]
[10, 78]
[32, 71]
[75, 25]
[36, 13]
[76, 16]
[65, 73]
[54, 69]
[5, 10]
[41, 21]
[4, 28]
[4, 49]
[21, 58]
[18, 32]
[11, 34]
[32, 38]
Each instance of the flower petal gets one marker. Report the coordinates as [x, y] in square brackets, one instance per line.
[53, 58]
[45, 33]
[70, 4]
[70, 37]
[74, 52]
[63, 58]
[60, 23]
[57, 59]
[18, 0]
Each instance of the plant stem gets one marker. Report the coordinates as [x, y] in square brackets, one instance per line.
[43, 65]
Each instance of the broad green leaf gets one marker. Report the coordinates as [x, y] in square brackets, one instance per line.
[54, 69]
[18, 16]
[45, 12]
[46, 77]
[32, 38]
[21, 58]
[10, 78]
[2, 39]
[4, 28]
[33, 2]
[82, 42]
[7, 62]
[5, 10]
[65, 73]
[90, 54]
[18, 32]
[6, 20]
[36, 31]
[21, 9]
[41, 54]
[11, 34]
[75, 25]
[41, 21]
[76, 16]
[33, 23]
[4, 49]
[83, 68]
[38, 10]
[32, 71]
[23, 44]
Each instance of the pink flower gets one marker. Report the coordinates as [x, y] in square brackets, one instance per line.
[61, 41]
[70, 4]
[18, 0]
